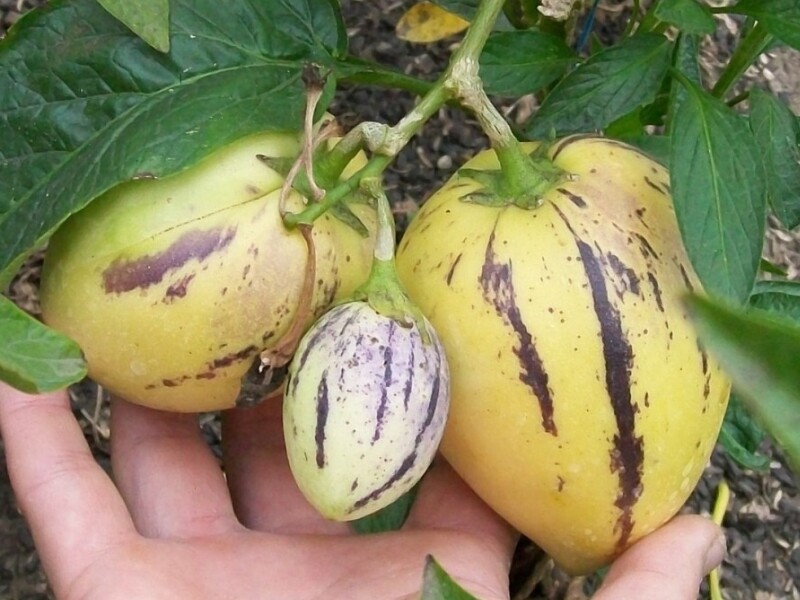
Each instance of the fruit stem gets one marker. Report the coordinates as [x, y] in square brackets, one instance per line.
[526, 179]
[383, 290]
[717, 514]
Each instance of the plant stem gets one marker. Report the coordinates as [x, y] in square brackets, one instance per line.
[355, 70]
[753, 44]
[461, 82]
[649, 20]
[717, 514]
[383, 290]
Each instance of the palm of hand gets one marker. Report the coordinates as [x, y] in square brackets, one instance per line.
[171, 526]
[175, 527]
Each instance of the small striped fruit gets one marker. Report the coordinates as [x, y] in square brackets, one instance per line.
[583, 410]
[364, 409]
[172, 287]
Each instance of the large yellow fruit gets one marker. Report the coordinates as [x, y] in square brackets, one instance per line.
[172, 287]
[583, 410]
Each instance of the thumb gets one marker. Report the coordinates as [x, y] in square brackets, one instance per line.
[668, 564]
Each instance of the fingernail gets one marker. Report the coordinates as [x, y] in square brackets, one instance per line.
[715, 552]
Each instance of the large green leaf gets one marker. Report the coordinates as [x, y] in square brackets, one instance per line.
[389, 518]
[686, 59]
[777, 134]
[719, 193]
[609, 85]
[85, 104]
[741, 437]
[514, 63]
[759, 351]
[690, 16]
[780, 17]
[782, 297]
[33, 358]
[149, 20]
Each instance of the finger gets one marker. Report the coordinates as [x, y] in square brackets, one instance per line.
[444, 501]
[74, 511]
[264, 493]
[170, 480]
[668, 564]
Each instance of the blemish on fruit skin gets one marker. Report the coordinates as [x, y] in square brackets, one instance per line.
[322, 419]
[686, 280]
[398, 474]
[177, 289]
[644, 245]
[497, 284]
[656, 290]
[451, 271]
[233, 357]
[387, 382]
[574, 198]
[655, 186]
[627, 454]
[409, 381]
[626, 275]
[140, 273]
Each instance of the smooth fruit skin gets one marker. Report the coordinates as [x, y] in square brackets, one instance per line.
[172, 287]
[364, 410]
[583, 410]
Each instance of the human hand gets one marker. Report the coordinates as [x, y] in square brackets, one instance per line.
[174, 527]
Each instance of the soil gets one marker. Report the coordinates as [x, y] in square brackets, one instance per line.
[763, 518]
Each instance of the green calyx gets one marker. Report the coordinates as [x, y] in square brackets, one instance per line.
[522, 181]
[383, 290]
[384, 293]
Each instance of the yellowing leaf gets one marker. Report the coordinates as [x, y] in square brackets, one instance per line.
[425, 22]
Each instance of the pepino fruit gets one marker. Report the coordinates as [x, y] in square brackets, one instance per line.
[583, 409]
[364, 409]
[172, 287]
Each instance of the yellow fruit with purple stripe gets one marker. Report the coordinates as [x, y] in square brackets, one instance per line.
[583, 409]
[172, 287]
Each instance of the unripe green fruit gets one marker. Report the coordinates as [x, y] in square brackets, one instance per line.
[364, 409]
[583, 408]
[172, 287]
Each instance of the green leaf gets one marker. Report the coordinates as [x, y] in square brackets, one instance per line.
[655, 146]
[718, 190]
[389, 518]
[772, 268]
[782, 297]
[687, 15]
[522, 13]
[607, 86]
[777, 133]
[149, 20]
[463, 8]
[34, 358]
[514, 63]
[781, 18]
[86, 105]
[741, 436]
[438, 585]
[685, 59]
[358, 70]
[759, 351]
